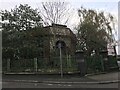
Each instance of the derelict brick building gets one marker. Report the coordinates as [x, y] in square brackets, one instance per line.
[52, 35]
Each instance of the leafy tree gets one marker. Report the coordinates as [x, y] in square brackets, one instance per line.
[94, 31]
[21, 18]
[25, 44]
[19, 27]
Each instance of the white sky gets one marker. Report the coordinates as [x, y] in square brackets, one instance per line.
[110, 6]
[105, 5]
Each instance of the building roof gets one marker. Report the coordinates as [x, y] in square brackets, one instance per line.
[61, 30]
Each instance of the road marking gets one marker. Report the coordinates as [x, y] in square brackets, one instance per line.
[69, 85]
[59, 84]
[64, 85]
[35, 84]
[49, 84]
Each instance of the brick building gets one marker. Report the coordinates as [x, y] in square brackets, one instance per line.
[52, 34]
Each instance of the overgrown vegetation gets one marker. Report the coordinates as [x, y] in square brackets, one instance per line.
[23, 38]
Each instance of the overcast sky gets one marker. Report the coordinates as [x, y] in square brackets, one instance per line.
[110, 6]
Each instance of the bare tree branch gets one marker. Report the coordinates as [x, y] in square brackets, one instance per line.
[55, 12]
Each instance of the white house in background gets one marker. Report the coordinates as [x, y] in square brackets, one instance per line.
[119, 47]
[111, 49]
[119, 28]
[118, 43]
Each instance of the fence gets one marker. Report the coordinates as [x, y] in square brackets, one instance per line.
[94, 64]
[97, 64]
[39, 65]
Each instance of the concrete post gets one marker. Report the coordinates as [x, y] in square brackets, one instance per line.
[8, 65]
[81, 62]
[102, 64]
[35, 64]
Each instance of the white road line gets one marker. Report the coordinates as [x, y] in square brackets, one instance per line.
[59, 85]
[69, 85]
[35, 84]
[49, 84]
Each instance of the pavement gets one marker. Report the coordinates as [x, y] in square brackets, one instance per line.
[103, 78]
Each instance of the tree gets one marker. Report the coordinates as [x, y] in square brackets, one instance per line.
[21, 18]
[94, 31]
[55, 12]
[18, 28]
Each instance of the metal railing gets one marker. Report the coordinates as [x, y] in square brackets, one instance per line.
[40, 65]
[44, 65]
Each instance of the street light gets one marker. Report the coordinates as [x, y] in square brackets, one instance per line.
[60, 44]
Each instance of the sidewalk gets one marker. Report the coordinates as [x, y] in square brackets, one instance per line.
[55, 79]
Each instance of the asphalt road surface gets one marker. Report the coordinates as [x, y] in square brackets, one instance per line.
[49, 85]
[8, 81]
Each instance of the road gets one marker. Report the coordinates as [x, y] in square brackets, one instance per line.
[29, 81]
[49, 85]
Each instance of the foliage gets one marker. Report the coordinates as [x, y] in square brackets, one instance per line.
[21, 18]
[94, 64]
[94, 31]
[21, 29]
[112, 61]
[27, 45]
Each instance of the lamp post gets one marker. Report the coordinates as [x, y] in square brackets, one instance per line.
[61, 45]
[61, 67]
